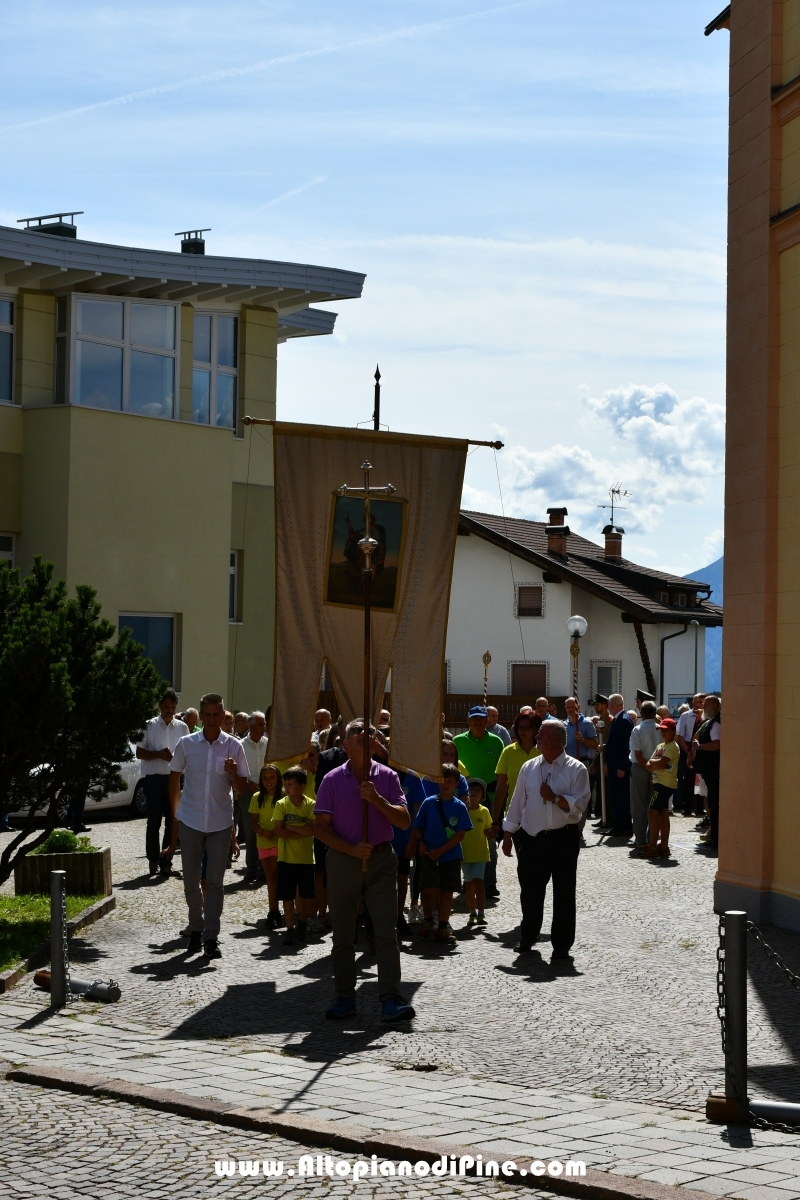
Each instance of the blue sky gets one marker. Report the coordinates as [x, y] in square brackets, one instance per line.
[536, 192]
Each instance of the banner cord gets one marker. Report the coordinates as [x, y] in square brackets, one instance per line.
[510, 562]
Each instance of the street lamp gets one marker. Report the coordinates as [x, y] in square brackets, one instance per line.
[576, 628]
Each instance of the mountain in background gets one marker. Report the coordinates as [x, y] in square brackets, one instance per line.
[712, 574]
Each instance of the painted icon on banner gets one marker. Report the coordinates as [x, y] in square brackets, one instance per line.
[345, 559]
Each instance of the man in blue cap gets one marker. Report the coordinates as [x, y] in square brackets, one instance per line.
[479, 751]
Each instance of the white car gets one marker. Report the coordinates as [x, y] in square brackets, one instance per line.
[131, 797]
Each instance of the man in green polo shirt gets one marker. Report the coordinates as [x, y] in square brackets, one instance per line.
[479, 751]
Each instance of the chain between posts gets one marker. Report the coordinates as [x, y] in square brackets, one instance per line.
[730, 1068]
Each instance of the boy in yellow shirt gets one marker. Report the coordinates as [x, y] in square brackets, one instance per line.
[476, 851]
[294, 828]
[663, 766]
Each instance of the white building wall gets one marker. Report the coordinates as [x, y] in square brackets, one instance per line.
[482, 617]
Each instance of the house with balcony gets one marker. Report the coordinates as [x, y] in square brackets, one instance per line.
[125, 374]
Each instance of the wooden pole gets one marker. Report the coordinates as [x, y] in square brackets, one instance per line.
[367, 579]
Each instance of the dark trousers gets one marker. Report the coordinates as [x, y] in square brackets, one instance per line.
[77, 803]
[158, 810]
[712, 784]
[619, 792]
[691, 803]
[548, 855]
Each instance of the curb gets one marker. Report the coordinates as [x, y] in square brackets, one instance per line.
[594, 1185]
[41, 953]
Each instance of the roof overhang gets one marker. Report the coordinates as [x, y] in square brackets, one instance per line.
[555, 564]
[58, 264]
[723, 21]
[309, 322]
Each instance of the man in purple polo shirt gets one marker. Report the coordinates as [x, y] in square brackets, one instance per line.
[339, 822]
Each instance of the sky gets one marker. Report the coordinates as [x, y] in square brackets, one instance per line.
[536, 192]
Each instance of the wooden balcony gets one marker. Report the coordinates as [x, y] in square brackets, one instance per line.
[458, 704]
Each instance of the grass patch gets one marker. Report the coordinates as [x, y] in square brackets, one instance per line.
[25, 921]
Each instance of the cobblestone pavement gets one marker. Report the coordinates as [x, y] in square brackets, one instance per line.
[572, 1064]
[119, 1151]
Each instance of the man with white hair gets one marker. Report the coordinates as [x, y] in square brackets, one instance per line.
[255, 751]
[549, 799]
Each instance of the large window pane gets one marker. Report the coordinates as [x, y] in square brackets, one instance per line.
[98, 375]
[202, 338]
[152, 384]
[226, 341]
[157, 636]
[201, 396]
[226, 400]
[153, 325]
[6, 346]
[101, 318]
[6, 312]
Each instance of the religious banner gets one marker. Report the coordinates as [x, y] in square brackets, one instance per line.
[319, 613]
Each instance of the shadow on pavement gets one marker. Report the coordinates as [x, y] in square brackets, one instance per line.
[782, 1004]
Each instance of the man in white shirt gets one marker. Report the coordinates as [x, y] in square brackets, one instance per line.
[549, 799]
[212, 763]
[644, 738]
[688, 724]
[255, 751]
[155, 751]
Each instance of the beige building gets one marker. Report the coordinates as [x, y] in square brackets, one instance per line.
[124, 378]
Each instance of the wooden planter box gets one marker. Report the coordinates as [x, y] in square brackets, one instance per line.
[88, 874]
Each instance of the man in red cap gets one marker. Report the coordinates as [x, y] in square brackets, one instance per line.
[663, 766]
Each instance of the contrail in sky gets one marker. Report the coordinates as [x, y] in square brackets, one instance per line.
[281, 60]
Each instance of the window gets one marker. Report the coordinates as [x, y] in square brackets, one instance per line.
[156, 634]
[607, 677]
[7, 548]
[530, 600]
[214, 369]
[681, 600]
[528, 679]
[6, 350]
[124, 356]
[663, 598]
[233, 588]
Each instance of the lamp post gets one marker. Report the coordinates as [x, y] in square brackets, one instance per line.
[576, 628]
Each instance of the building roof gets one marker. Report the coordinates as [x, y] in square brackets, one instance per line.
[627, 586]
[723, 21]
[64, 264]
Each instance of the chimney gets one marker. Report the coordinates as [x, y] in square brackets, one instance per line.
[557, 532]
[60, 224]
[613, 535]
[192, 241]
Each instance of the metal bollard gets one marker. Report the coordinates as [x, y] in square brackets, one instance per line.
[58, 939]
[736, 1005]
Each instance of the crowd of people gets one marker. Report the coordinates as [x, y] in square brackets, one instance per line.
[527, 792]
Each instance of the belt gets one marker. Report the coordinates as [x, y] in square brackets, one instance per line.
[380, 846]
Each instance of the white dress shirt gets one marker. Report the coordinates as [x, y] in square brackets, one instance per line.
[645, 737]
[207, 803]
[158, 735]
[255, 753]
[685, 728]
[568, 778]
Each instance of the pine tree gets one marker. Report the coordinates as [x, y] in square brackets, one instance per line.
[72, 696]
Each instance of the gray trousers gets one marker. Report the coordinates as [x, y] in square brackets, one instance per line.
[641, 789]
[216, 845]
[251, 846]
[347, 880]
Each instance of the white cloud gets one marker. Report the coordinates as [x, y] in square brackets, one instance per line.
[663, 449]
[712, 546]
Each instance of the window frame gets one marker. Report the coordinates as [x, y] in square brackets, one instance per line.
[126, 344]
[526, 662]
[12, 329]
[214, 369]
[529, 616]
[605, 662]
[13, 557]
[234, 573]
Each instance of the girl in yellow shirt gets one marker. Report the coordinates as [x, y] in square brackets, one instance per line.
[262, 818]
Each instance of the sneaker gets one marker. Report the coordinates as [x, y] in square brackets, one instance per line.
[414, 914]
[153, 867]
[481, 919]
[195, 943]
[211, 948]
[314, 925]
[395, 1009]
[425, 928]
[342, 1007]
[445, 933]
[280, 920]
[473, 920]
[647, 851]
[663, 852]
[289, 938]
[302, 931]
[272, 920]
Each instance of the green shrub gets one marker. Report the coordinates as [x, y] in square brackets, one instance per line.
[64, 841]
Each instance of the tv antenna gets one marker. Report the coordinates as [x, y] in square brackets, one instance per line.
[616, 493]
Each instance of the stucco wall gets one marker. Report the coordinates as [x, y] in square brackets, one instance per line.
[10, 468]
